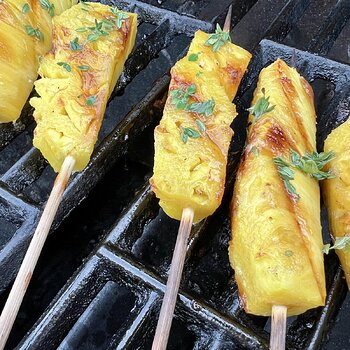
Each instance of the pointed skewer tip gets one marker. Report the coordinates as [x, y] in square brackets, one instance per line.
[227, 25]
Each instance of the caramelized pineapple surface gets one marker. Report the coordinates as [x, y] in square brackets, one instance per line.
[191, 143]
[336, 191]
[91, 43]
[276, 246]
[25, 33]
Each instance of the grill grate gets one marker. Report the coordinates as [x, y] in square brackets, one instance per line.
[126, 272]
[136, 254]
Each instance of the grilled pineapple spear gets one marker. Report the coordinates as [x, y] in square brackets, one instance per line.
[91, 42]
[25, 33]
[336, 193]
[276, 246]
[191, 144]
[194, 134]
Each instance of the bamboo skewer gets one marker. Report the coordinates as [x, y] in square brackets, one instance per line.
[166, 313]
[168, 306]
[25, 273]
[278, 327]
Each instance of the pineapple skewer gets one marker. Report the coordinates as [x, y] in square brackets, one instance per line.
[176, 201]
[67, 129]
[276, 245]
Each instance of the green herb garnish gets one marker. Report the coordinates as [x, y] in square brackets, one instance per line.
[120, 17]
[180, 96]
[193, 57]
[46, 5]
[189, 132]
[286, 174]
[25, 8]
[90, 101]
[97, 32]
[84, 68]
[201, 126]
[206, 108]
[34, 32]
[218, 39]
[81, 30]
[75, 46]
[261, 107]
[65, 65]
[312, 163]
[340, 243]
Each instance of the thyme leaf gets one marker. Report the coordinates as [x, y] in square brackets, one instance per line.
[90, 101]
[206, 108]
[25, 8]
[46, 5]
[261, 107]
[75, 46]
[201, 126]
[217, 39]
[34, 32]
[84, 68]
[193, 57]
[120, 17]
[65, 65]
[286, 174]
[189, 132]
[180, 96]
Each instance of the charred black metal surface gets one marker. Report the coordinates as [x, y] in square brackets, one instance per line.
[110, 226]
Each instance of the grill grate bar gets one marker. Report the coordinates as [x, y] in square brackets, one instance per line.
[331, 28]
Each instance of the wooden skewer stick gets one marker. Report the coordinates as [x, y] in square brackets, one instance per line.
[168, 306]
[278, 327]
[25, 273]
[177, 263]
[227, 24]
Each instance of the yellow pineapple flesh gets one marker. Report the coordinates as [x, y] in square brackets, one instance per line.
[90, 46]
[336, 191]
[191, 172]
[25, 33]
[276, 246]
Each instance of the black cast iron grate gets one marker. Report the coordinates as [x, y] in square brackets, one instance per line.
[114, 298]
[134, 260]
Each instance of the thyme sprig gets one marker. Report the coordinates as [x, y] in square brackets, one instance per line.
[286, 174]
[261, 107]
[120, 17]
[340, 243]
[97, 31]
[311, 164]
[34, 32]
[180, 98]
[218, 39]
